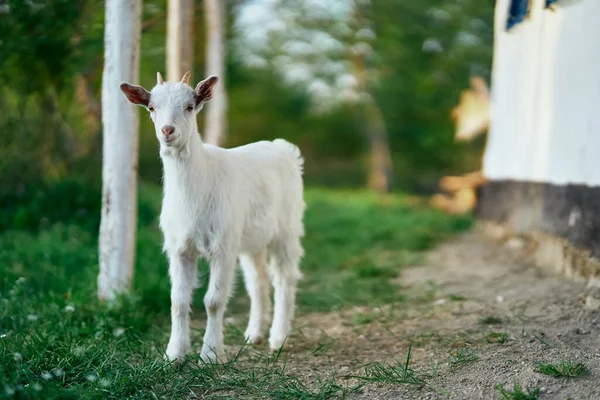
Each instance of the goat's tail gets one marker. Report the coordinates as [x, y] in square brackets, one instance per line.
[293, 150]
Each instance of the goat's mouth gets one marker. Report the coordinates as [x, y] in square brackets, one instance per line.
[170, 140]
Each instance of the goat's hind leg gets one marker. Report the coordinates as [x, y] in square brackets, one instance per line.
[256, 279]
[183, 271]
[285, 273]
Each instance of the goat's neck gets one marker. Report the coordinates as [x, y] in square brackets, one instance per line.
[186, 170]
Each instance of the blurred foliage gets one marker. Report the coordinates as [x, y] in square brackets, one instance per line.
[51, 54]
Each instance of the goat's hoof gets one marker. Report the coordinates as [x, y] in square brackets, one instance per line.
[275, 344]
[175, 360]
[176, 356]
[253, 338]
[208, 357]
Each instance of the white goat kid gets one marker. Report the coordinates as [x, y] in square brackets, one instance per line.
[244, 202]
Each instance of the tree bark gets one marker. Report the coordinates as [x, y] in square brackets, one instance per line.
[380, 158]
[216, 122]
[381, 170]
[85, 96]
[120, 149]
[180, 38]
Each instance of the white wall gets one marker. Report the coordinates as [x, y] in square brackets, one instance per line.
[546, 95]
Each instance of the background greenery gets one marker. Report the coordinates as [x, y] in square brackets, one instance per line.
[51, 69]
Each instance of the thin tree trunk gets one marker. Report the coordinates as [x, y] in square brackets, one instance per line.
[65, 138]
[381, 171]
[120, 149]
[85, 96]
[216, 122]
[380, 159]
[180, 38]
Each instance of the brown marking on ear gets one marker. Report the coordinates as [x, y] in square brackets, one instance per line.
[186, 78]
[136, 94]
[204, 90]
[159, 79]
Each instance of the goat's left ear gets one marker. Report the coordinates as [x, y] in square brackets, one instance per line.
[204, 90]
[136, 94]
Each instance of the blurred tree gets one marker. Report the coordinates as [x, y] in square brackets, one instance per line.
[180, 38]
[38, 56]
[216, 117]
[380, 168]
[327, 48]
[428, 50]
[417, 57]
[120, 151]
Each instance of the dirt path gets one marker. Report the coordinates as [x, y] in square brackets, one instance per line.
[468, 288]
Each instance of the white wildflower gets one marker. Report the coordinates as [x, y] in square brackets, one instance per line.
[104, 382]
[9, 390]
[17, 356]
[69, 308]
[118, 332]
[46, 376]
[36, 386]
[79, 350]
[93, 377]
[32, 317]
[58, 372]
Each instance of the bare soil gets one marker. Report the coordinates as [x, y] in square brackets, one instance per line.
[468, 288]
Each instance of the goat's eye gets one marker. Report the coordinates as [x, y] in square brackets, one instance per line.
[190, 108]
[151, 109]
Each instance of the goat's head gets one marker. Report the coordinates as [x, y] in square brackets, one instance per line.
[173, 106]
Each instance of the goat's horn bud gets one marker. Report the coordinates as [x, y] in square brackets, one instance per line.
[186, 78]
[159, 78]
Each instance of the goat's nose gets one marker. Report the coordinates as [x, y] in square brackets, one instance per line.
[168, 130]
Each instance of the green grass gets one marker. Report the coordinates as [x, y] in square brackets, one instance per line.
[58, 341]
[566, 369]
[461, 356]
[457, 297]
[397, 373]
[490, 320]
[497, 337]
[518, 393]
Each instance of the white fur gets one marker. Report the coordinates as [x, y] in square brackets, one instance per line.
[222, 204]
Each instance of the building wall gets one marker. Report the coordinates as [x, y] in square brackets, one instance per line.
[542, 158]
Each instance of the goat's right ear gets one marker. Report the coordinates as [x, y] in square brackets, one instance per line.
[136, 94]
[204, 90]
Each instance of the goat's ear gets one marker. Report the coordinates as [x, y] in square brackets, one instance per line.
[136, 94]
[204, 90]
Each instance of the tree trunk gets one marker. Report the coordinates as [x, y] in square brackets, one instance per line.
[380, 160]
[381, 171]
[216, 122]
[120, 149]
[85, 96]
[180, 38]
[64, 136]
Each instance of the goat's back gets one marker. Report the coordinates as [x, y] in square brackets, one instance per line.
[268, 188]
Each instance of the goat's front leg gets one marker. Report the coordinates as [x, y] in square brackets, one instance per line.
[219, 289]
[183, 271]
